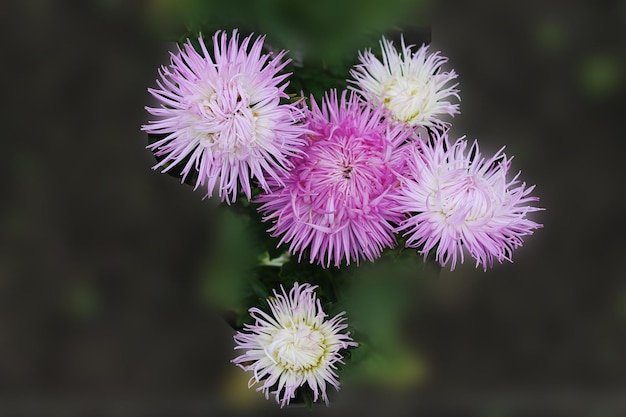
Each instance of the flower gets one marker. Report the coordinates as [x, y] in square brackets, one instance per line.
[222, 117]
[293, 346]
[411, 85]
[457, 199]
[336, 202]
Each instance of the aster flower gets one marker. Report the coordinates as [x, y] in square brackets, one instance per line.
[457, 199]
[410, 84]
[336, 202]
[221, 115]
[293, 346]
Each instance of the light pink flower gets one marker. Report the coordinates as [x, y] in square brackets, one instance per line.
[337, 202]
[293, 346]
[458, 201]
[221, 115]
[412, 85]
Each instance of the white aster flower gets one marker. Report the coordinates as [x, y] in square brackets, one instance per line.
[293, 346]
[412, 86]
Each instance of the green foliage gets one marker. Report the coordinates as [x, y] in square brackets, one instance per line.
[378, 298]
[325, 29]
[307, 397]
[312, 81]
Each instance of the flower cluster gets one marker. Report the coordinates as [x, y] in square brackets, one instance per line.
[337, 179]
[340, 179]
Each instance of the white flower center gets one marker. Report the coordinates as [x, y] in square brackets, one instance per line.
[298, 347]
[463, 201]
[227, 120]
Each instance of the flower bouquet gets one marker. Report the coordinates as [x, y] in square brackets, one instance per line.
[332, 205]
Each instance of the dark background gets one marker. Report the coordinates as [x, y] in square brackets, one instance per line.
[101, 312]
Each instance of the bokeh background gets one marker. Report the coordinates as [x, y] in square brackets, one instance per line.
[103, 304]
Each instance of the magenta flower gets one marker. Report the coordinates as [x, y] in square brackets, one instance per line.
[337, 201]
[456, 199]
[412, 85]
[293, 346]
[221, 116]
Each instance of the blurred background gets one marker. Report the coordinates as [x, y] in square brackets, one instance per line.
[103, 300]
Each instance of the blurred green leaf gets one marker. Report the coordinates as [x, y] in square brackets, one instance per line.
[231, 265]
[324, 31]
[601, 75]
[550, 35]
[392, 365]
[306, 396]
[378, 298]
[82, 300]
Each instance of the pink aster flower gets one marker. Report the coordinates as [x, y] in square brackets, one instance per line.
[457, 200]
[293, 346]
[336, 203]
[410, 84]
[221, 115]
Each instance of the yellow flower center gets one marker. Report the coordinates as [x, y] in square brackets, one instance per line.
[407, 97]
[298, 347]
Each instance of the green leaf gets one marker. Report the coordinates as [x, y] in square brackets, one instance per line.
[391, 365]
[307, 397]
